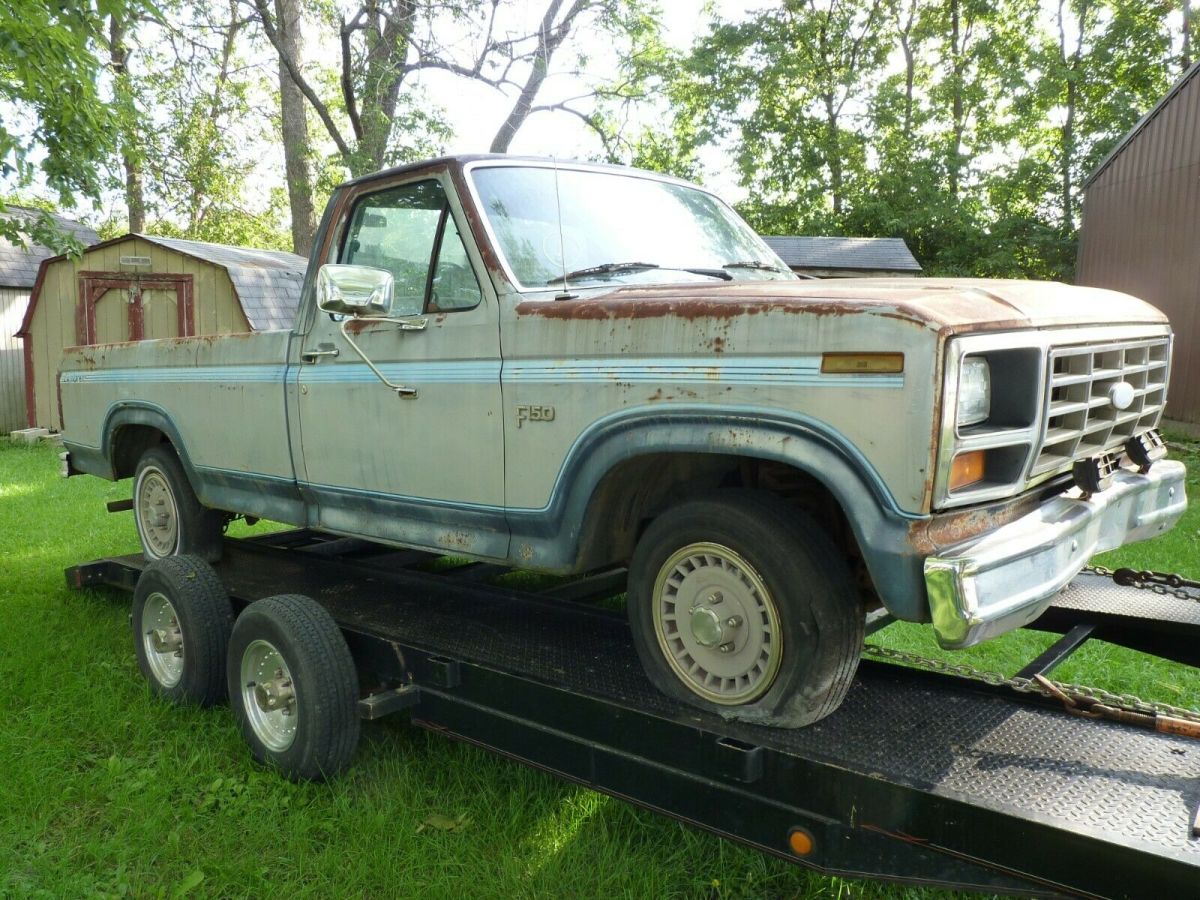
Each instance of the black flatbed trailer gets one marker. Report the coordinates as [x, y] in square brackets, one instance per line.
[919, 777]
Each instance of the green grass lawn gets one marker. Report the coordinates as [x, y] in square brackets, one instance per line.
[107, 792]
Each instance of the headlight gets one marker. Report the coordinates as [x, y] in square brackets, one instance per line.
[974, 391]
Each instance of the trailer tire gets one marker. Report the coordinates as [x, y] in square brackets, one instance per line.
[181, 620]
[294, 688]
[741, 605]
[170, 519]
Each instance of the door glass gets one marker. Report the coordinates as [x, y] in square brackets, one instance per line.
[395, 230]
[454, 283]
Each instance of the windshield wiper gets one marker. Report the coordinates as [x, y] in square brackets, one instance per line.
[614, 268]
[752, 264]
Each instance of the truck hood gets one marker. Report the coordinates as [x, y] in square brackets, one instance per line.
[943, 304]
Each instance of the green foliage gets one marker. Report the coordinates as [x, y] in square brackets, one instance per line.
[49, 76]
[963, 126]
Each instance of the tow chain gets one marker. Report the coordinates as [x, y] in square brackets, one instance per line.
[1079, 699]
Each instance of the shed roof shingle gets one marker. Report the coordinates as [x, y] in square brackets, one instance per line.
[887, 254]
[19, 265]
[267, 282]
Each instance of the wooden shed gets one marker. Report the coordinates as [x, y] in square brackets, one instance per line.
[145, 287]
[18, 274]
[845, 257]
[1141, 214]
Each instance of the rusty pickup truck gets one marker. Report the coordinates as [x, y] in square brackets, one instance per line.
[563, 367]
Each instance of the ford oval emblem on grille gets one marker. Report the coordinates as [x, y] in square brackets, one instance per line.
[1120, 395]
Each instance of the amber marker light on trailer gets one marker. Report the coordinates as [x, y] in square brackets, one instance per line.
[862, 363]
[800, 841]
[966, 469]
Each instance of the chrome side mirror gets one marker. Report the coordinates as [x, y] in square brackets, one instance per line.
[359, 291]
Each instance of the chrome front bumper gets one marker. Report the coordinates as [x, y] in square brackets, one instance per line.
[1006, 578]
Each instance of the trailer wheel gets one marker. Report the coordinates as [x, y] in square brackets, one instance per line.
[182, 619]
[170, 519]
[741, 605]
[293, 687]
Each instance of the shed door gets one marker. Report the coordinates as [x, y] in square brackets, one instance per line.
[114, 306]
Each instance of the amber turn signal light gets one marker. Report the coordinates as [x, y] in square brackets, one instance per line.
[862, 363]
[966, 469]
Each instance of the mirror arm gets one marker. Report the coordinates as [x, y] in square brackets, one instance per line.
[417, 325]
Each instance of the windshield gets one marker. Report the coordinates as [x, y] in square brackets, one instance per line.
[616, 228]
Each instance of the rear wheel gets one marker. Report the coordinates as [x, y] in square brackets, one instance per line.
[741, 605]
[170, 519]
[293, 687]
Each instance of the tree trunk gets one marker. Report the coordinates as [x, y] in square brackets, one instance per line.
[1187, 34]
[135, 192]
[834, 137]
[954, 163]
[1072, 64]
[294, 128]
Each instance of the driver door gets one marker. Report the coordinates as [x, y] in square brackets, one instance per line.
[426, 470]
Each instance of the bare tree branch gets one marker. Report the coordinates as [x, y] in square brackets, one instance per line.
[264, 16]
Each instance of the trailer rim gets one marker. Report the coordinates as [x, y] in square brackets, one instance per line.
[269, 695]
[162, 639]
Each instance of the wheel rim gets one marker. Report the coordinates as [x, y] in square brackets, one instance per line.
[162, 640]
[158, 516]
[717, 624]
[268, 696]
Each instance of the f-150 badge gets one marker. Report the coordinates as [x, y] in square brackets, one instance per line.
[528, 413]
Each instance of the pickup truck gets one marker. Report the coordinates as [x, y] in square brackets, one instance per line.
[562, 367]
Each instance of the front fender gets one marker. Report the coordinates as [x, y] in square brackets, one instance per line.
[550, 537]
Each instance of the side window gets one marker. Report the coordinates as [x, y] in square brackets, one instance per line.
[454, 285]
[396, 230]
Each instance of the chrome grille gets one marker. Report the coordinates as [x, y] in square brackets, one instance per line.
[1080, 419]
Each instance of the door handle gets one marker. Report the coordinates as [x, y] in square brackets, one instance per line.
[311, 356]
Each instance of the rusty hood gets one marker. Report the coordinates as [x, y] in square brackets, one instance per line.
[942, 304]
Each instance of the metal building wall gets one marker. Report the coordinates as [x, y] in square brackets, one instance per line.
[1141, 230]
[12, 361]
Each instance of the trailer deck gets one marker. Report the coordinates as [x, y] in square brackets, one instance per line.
[919, 777]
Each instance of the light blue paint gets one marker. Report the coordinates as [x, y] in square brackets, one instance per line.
[179, 375]
[802, 371]
[742, 371]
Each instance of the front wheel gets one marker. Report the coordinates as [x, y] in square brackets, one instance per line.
[741, 605]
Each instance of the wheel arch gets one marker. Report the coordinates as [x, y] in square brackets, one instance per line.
[640, 460]
[130, 429]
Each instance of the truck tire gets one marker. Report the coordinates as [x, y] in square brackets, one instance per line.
[743, 606]
[293, 687]
[182, 619]
[170, 520]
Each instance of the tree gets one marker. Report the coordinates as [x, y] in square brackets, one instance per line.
[386, 45]
[792, 78]
[1106, 63]
[294, 127]
[49, 68]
